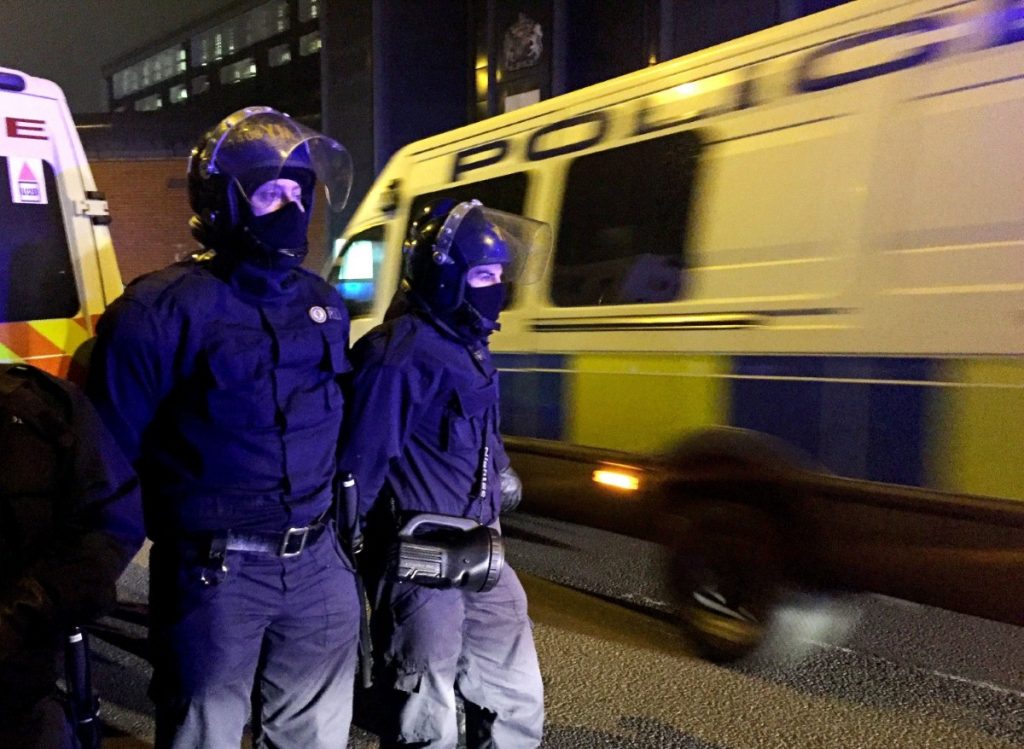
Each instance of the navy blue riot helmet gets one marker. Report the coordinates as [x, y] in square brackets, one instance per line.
[436, 271]
[251, 181]
[447, 239]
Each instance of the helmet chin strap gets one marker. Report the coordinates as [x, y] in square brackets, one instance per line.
[475, 320]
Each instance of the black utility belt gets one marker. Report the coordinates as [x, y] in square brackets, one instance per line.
[290, 543]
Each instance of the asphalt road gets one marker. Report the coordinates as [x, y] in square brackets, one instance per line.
[860, 672]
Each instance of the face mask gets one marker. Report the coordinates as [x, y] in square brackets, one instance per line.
[283, 230]
[487, 300]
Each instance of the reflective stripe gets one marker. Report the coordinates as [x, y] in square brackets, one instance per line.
[49, 345]
[66, 335]
[26, 342]
[939, 423]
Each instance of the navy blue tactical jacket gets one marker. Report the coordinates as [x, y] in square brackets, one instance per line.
[72, 518]
[221, 384]
[422, 425]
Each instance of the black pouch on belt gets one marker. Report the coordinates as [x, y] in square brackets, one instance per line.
[443, 551]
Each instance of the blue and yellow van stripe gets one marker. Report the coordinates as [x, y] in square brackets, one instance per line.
[950, 424]
[673, 395]
[978, 428]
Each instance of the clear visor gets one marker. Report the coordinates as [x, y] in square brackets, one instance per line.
[484, 236]
[266, 145]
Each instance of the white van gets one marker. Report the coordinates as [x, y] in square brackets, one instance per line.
[57, 266]
[782, 326]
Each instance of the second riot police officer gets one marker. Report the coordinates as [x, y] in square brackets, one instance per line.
[219, 376]
[425, 448]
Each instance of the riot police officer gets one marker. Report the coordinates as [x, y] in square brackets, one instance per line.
[425, 449]
[220, 377]
[70, 521]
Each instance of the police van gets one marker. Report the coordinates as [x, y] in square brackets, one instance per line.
[58, 266]
[781, 328]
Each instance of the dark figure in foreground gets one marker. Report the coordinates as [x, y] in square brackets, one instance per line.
[70, 521]
[219, 376]
[425, 448]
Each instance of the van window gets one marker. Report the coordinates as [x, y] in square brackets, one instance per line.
[623, 227]
[356, 272]
[37, 281]
[507, 193]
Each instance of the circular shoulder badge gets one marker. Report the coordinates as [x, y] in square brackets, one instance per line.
[318, 315]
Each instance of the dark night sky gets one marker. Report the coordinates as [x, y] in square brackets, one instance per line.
[69, 41]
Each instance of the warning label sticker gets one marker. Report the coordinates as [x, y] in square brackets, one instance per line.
[27, 183]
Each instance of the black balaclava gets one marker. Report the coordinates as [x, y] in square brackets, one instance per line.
[466, 322]
[488, 301]
[278, 239]
[476, 317]
[284, 230]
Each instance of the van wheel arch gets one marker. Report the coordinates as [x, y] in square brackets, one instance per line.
[727, 507]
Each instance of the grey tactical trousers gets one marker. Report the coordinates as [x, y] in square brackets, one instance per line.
[432, 644]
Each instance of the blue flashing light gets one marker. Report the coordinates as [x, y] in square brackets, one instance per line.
[11, 82]
[356, 290]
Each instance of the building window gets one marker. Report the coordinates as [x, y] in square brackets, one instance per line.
[224, 41]
[200, 84]
[281, 22]
[178, 94]
[149, 103]
[481, 84]
[309, 44]
[309, 10]
[240, 33]
[125, 82]
[154, 69]
[279, 55]
[202, 49]
[238, 71]
[265, 21]
[622, 241]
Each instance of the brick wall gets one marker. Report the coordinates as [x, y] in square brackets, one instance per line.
[149, 205]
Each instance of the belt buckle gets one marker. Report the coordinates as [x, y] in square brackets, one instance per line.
[301, 533]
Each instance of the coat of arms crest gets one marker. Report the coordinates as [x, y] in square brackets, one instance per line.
[523, 43]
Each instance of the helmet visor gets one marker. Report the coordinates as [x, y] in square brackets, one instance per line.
[485, 236]
[266, 145]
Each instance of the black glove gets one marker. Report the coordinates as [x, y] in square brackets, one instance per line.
[511, 489]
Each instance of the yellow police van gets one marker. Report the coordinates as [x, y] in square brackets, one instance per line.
[782, 325]
[58, 267]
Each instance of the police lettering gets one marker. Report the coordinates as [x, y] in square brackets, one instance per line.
[813, 72]
[535, 150]
[489, 153]
[808, 81]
